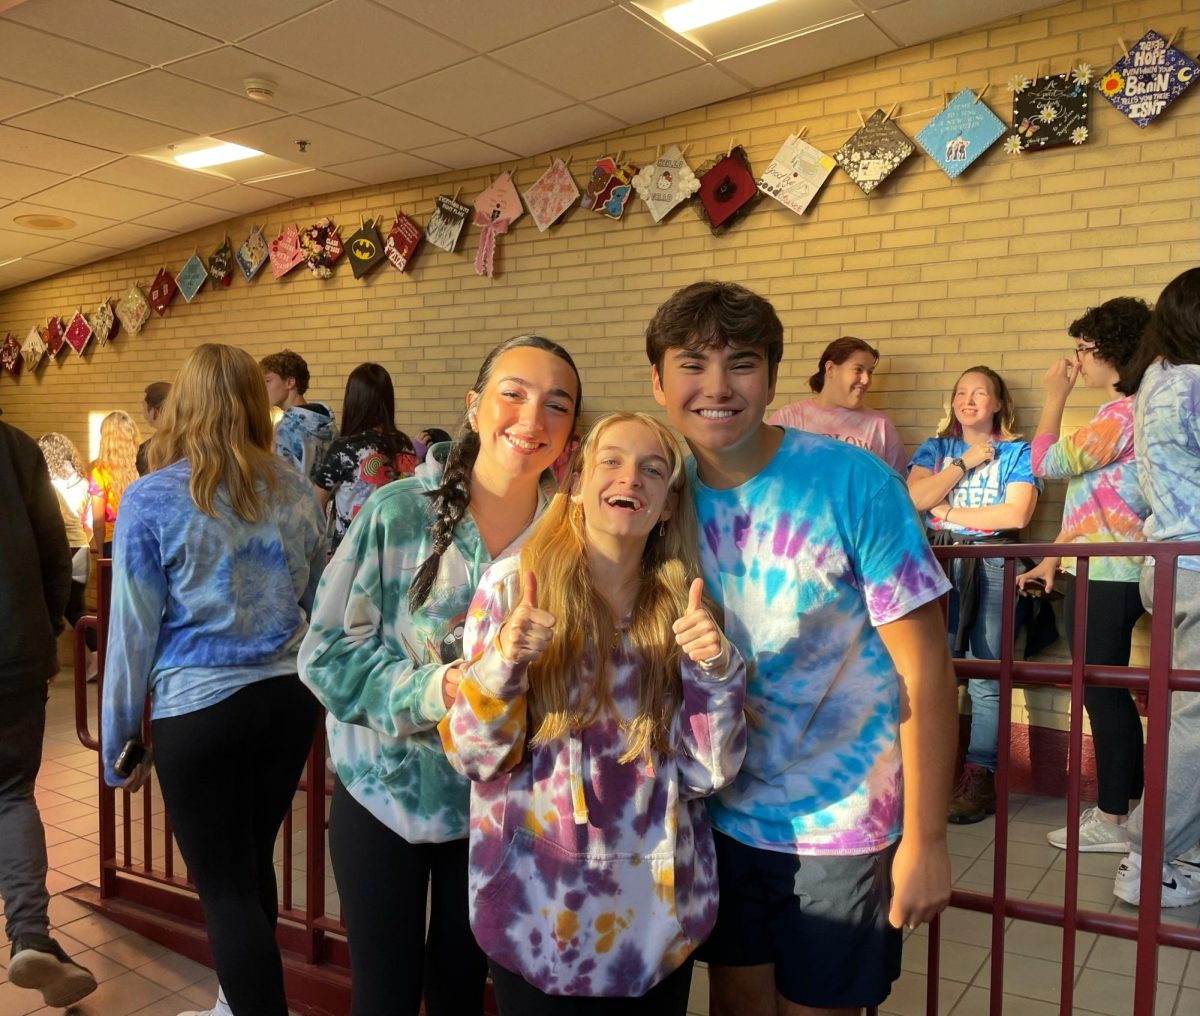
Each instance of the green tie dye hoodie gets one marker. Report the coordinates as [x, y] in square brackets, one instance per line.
[378, 668]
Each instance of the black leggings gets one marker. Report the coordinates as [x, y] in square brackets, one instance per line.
[515, 996]
[228, 774]
[384, 885]
[1113, 609]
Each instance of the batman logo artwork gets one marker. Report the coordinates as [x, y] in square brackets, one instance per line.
[363, 249]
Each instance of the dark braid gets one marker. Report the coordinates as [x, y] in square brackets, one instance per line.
[453, 495]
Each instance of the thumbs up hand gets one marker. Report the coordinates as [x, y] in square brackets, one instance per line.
[528, 631]
[697, 633]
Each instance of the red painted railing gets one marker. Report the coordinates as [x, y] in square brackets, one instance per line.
[152, 896]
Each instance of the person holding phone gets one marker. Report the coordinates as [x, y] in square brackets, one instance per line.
[218, 553]
[384, 655]
[1103, 505]
[599, 706]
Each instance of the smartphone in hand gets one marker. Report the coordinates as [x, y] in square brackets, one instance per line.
[129, 758]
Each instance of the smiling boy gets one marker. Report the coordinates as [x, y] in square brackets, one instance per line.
[813, 549]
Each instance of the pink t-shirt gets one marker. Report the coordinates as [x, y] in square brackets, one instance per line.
[866, 428]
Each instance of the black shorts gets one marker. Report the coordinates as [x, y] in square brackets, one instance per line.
[821, 920]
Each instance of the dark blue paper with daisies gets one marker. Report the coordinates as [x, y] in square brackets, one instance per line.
[1144, 83]
[960, 133]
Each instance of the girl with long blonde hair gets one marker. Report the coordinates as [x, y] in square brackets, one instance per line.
[218, 554]
[114, 469]
[600, 703]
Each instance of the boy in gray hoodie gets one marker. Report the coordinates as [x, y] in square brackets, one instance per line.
[306, 429]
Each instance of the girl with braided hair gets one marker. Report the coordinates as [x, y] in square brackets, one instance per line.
[383, 654]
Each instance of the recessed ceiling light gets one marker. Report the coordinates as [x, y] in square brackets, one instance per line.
[38, 221]
[218, 155]
[697, 13]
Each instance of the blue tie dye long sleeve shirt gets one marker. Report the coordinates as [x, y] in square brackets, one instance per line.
[807, 558]
[203, 606]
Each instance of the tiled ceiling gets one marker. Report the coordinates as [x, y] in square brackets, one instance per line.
[381, 90]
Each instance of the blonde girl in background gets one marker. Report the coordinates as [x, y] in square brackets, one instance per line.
[115, 469]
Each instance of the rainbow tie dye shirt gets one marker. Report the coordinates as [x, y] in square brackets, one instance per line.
[1103, 502]
[588, 876]
[807, 558]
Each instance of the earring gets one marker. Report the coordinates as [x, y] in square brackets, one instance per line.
[662, 529]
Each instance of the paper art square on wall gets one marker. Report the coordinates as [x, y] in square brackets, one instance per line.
[727, 190]
[220, 264]
[402, 242]
[285, 251]
[1048, 112]
[796, 173]
[104, 323]
[10, 355]
[33, 350]
[1153, 75]
[446, 223]
[551, 194]
[960, 133]
[162, 292]
[666, 183]
[133, 310]
[78, 333]
[252, 254]
[191, 277]
[610, 187]
[52, 335]
[366, 249]
[500, 201]
[321, 246]
[872, 153]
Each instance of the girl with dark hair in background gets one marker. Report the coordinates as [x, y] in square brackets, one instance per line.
[370, 451]
[152, 407]
[975, 481]
[218, 554]
[842, 379]
[1103, 505]
[427, 439]
[384, 655]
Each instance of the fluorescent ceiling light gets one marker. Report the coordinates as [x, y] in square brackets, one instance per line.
[215, 156]
[697, 13]
[9, 262]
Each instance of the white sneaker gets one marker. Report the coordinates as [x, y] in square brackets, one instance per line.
[1097, 835]
[1179, 889]
[220, 1009]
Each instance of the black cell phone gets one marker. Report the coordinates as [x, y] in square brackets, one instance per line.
[130, 757]
[1035, 588]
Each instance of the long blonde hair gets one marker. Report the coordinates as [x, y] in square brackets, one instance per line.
[119, 440]
[217, 417]
[585, 628]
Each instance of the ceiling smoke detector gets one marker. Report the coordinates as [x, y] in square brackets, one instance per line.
[259, 89]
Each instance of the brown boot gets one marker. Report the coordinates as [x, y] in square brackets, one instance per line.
[974, 796]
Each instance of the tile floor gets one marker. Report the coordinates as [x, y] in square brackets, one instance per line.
[140, 978]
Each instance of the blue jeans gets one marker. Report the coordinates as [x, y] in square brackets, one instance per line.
[983, 643]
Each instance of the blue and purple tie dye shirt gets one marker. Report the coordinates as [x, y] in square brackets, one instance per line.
[807, 558]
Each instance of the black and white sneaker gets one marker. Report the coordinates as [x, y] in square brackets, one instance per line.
[1179, 887]
[39, 962]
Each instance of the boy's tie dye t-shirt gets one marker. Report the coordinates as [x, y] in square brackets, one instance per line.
[807, 558]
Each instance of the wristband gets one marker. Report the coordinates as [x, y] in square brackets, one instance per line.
[958, 461]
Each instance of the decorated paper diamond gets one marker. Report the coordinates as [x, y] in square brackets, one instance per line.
[446, 223]
[665, 183]
[52, 335]
[366, 249]
[1153, 75]
[285, 251]
[252, 254]
[10, 355]
[500, 200]
[727, 190]
[162, 291]
[220, 264]
[33, 350]
[402, 242]
[191, 277]
[321, 247]
[960, 133]
[78, 333]
[551, 194]
[133, 310]
[1050, 112]
[796, 173]
[103, 323]
[872, 153]
[610, 187]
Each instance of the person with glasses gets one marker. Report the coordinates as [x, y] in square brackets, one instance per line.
[1103, 505]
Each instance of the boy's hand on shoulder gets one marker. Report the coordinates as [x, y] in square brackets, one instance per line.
[698, 634]
[920, 882]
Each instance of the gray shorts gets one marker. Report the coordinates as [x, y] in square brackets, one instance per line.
[821, 920]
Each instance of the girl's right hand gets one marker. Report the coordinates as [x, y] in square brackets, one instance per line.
[1043, 573]
[528, 631]
[1060, 377]
[978, 454]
